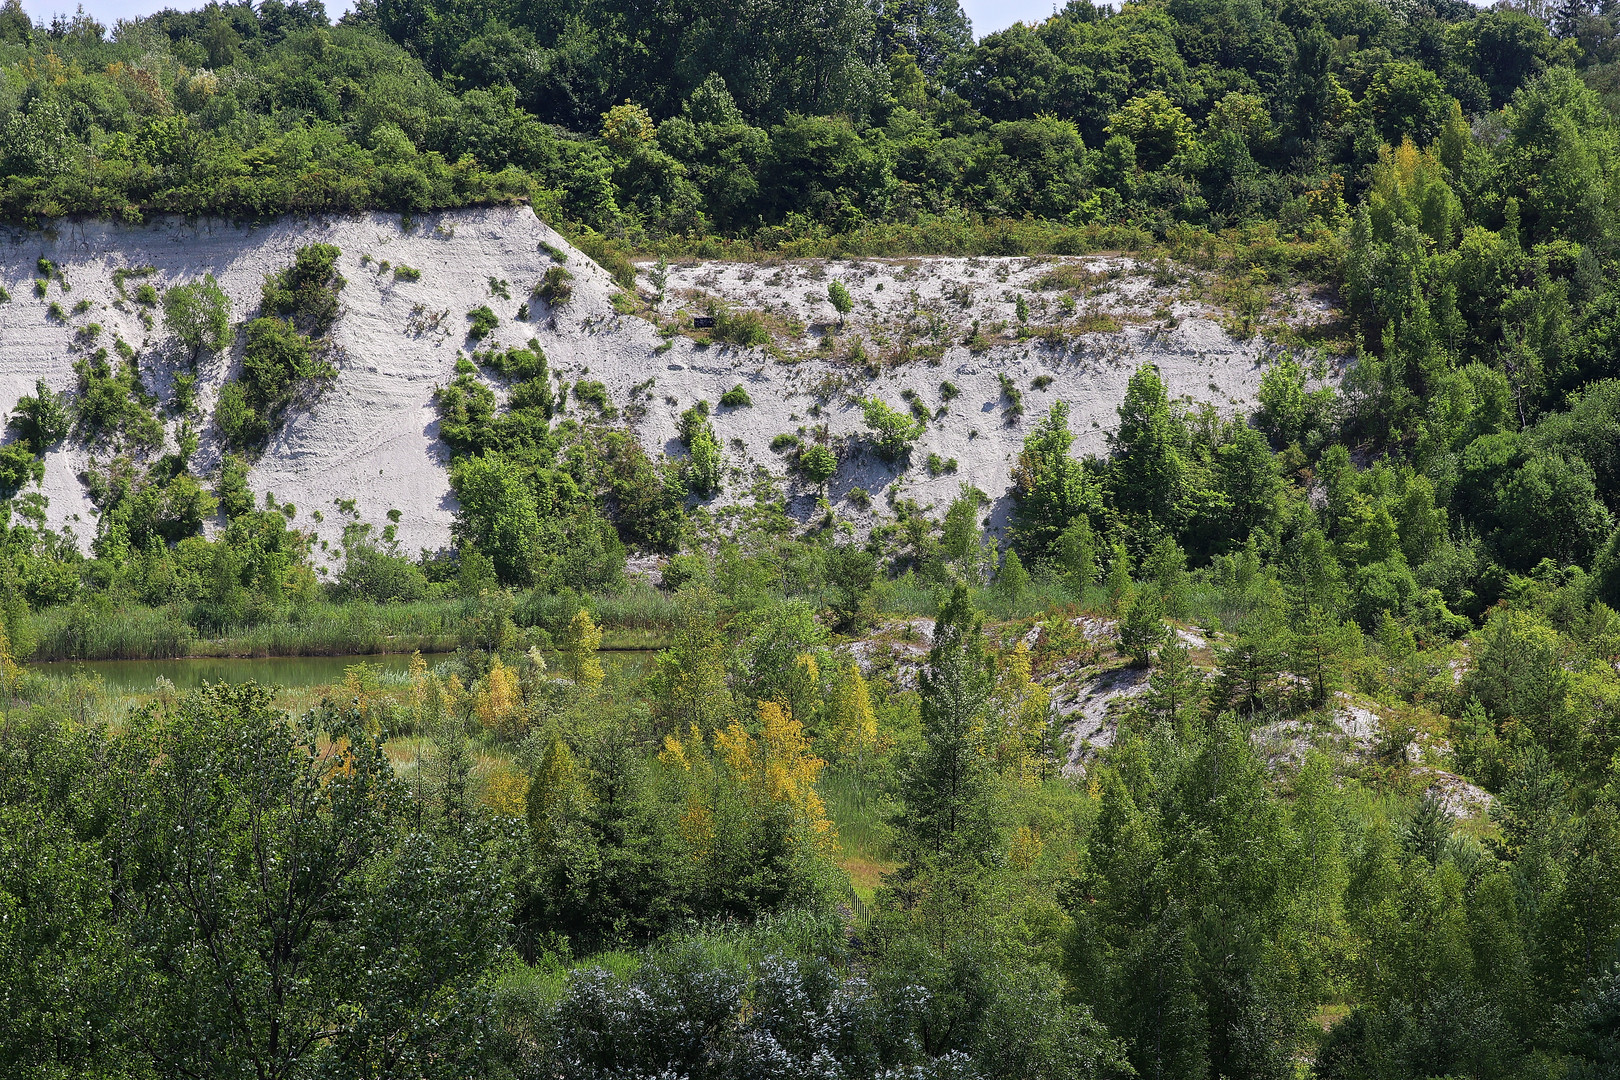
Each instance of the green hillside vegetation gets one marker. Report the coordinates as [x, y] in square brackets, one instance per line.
[1356, 816]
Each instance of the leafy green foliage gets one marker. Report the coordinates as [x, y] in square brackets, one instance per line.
[948, 819]
[704, 463]
[594, 393]
[1050, 487]
[277, 361]
[282, 354]
[522, 365]
[817, 463]
[375, 570]
[556, 287]
[1250, 854]
[41, 419]
[307, 291]
[740, 326]
[19, 467]
[198, 314]
[839, 297]
[1141, 628]
[893, 431]
[110, 407]
[484, 321]
[215, 916]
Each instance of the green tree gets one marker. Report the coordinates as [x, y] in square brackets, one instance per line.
[497, 514]
[960, 535]
[1149, 478]
[1076, 554]
[199, 315]
[945, 789]
[41, 419]
[690, 682]
[1176, 689]
[840, 299]
[1319, 648]
[893, 431]
[1050, 488]
[781, 657]
[1521, 680]
[1178, 837]
[704, 464]
[817, 464]
[1156, 126]
[1013, 580]
[578, 647]
[851, 572]
[1408, 101]
[276, 909]
[1141, 627]
[1249, 664]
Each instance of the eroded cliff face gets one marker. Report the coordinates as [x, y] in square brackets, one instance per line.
[1010, 336]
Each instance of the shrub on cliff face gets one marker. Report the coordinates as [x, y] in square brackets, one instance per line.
[817, 464]
[893, 431]
[483, 322]
[198, 314]
[307, 291]
[556, 288]
[283, 347]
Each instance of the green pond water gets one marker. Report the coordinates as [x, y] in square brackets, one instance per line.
[139, 676]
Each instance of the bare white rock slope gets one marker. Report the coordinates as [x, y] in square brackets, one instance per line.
[371, 436]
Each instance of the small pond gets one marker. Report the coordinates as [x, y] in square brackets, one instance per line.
[140, 676]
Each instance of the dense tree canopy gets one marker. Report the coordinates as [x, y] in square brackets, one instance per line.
[839, 114]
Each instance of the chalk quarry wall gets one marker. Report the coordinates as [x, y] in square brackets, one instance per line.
[371, 436]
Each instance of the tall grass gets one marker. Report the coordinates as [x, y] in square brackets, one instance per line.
[321, 628]
[640, 607]
[1230, 250]
[84, 632]
[944, 234]
[638, 618]
[346, 630]
[1203, 602]
[860, 813]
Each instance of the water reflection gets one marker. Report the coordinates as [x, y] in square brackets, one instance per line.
[141, 676]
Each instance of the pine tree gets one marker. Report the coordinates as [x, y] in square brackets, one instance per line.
[1050, 487]
[556, 793]
[945, 790]
[690, 685]
[1013, 580]
[1318, 650]
[1141, 628]
[1164, 571]
[1425, 832]
[1318, 873]
[1249, 665]
[1022, 706]
[1120, 586]
[1176, 689]
[1149, 474]
[1077, 554]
